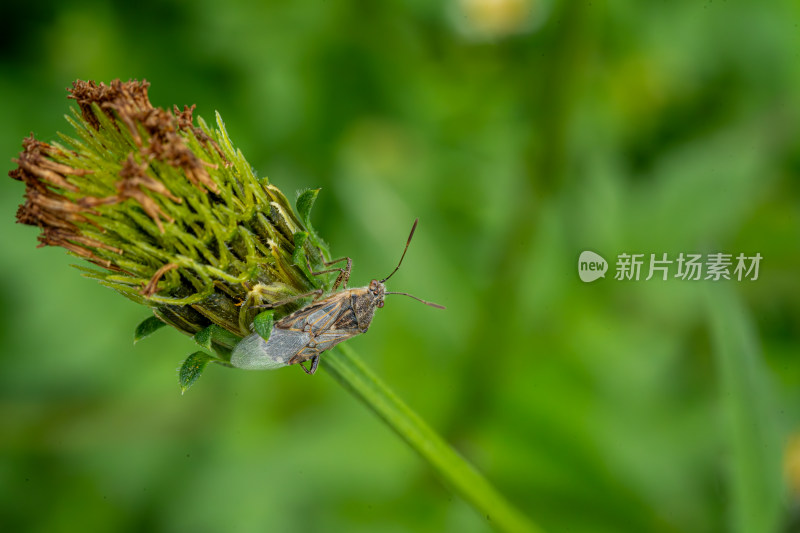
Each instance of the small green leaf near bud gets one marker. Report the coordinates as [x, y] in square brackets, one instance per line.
[206, 338]
[223, 337]
[147, 327]
[299, 254]
[263, 324]
[192, 368]
[203, 337]
[304, 204]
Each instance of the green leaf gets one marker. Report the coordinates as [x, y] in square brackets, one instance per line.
[299, 254]
[263, 324]
[192, 368]
[203, 337]
[147, 327]
[224, 337]
[304, 204]
[207, 337]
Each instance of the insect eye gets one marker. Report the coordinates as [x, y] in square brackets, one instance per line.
[380, 304]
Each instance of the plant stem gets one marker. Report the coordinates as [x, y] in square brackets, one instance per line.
[350, 372]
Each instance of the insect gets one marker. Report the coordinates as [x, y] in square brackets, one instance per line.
[303, 335]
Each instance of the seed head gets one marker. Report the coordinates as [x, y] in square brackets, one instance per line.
[167, 211]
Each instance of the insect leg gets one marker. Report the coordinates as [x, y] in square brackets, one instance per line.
[314, 363]
[317, 293]
[344, 273]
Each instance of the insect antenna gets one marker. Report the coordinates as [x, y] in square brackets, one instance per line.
[413, 228]
[437, 306]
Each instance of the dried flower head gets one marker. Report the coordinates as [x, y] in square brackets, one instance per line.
[170, 212]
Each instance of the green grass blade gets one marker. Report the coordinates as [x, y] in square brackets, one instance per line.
[348, 370]
[751, 432]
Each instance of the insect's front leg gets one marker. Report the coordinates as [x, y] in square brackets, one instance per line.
[344, 273]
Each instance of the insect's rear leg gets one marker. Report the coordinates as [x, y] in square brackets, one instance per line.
[302, 356]
[314, 363]
[344, 273]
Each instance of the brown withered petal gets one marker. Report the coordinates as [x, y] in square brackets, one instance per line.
[133, 176]
[174, 152]
[152, 286]
[77, 244]
[129, 97]
[130, 103]
[34, 165]
[186, 123]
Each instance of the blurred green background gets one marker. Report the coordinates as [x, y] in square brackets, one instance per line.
[521, 132]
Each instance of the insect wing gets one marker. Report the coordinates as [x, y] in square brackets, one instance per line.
[254, 353]
[315, 317]
[330, 338]
[329, 321]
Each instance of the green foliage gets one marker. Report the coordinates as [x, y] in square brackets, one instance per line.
[299, 255]
[213, 337]
[192, 368]
[147, 327]
[217, 341]
[263, 324]
[305, 201]
[203, 337]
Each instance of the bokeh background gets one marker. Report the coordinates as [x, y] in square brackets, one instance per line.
[521, 132]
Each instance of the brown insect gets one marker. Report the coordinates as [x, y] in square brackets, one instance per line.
[303, 335]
